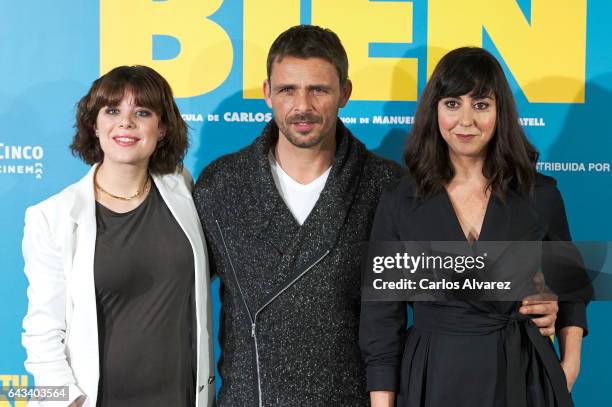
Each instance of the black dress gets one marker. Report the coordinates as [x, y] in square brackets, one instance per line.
[458, 353]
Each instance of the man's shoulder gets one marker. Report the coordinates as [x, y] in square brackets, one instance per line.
[382, 168]
[226, 168]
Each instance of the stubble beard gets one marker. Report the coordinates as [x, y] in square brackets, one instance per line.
[301, 140]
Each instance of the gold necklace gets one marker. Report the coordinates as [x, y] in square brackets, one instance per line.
[144, 190]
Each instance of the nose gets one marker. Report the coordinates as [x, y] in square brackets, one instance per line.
[302, 102]
[467, 116]
[126, 121]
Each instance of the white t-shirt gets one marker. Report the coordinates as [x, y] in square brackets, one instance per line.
[299, 198]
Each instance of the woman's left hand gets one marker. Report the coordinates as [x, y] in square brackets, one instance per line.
[571, 370]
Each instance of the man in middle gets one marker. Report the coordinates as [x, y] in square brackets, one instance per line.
[284, 219]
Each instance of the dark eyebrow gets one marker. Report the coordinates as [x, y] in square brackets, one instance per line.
[283, 86]
[321, 86]
[309, 87]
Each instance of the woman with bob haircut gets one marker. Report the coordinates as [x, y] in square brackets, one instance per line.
[119, 303]
[471, 177]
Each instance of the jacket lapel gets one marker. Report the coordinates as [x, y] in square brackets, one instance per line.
[494, 236]
[274, 223]
[331, 210]
[514, 220]
[497, 219]
[83, 209]
[322, 227]
[83, 243]
[179, 201]
[79, 255]
[301, 246]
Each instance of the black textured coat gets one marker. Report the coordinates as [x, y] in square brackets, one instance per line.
[290, 294]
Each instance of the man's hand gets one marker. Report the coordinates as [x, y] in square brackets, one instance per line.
[548, 311]
[543, 303]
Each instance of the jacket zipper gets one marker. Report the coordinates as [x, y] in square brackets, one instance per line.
[253, 318]
[254, 323]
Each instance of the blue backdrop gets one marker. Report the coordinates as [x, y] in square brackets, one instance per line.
[557, 55]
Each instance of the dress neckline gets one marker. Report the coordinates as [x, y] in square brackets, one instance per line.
[458, 229]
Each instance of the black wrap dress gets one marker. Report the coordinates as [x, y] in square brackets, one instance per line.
[466, 353]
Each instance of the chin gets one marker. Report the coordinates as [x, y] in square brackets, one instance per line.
[475, 154]
[305, 140]
[125, 160]
[471, 153]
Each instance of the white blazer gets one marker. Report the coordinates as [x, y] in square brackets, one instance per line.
[60, 328]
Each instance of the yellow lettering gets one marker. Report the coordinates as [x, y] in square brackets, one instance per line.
[546, 57]
[12, 381]
[264, 20]
[5, 381]
[360, 22]
[206, 54]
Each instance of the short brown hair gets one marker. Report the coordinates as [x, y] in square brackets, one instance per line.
[149, 90]
[310, 41]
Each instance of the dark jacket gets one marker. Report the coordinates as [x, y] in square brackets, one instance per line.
[290, 294]
[454, 347]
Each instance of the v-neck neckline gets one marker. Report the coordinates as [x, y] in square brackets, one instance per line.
[457, 223]
[278, 225]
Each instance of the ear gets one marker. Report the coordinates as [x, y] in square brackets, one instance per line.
[162, 131]
[267, 91]
[345, 93]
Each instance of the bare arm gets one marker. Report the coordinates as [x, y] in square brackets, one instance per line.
[570, 344]
[382, 398]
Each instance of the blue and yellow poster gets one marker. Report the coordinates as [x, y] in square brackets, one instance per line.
[557, 55]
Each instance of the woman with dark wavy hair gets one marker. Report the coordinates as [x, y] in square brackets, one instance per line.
[472, 177]
[119, 304]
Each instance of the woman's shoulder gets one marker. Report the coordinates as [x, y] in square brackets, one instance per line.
[62, 200]
[544, 181]
[182, 176]
[60, 211]
[545, 188]
[399, 195]
[403, 187]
